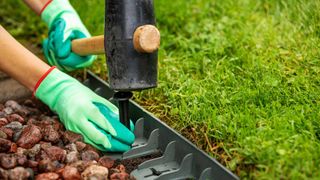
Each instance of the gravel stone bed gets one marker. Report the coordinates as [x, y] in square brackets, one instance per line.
[35, 145]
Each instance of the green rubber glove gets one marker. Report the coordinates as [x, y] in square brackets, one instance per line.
[84, 112]
[64, 26]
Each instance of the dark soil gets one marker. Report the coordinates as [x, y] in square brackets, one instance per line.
[132, 164]
[35, 145]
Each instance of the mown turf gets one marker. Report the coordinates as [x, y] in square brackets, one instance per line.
[240, 78]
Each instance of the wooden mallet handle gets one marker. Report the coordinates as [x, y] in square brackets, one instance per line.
[146, 39]
[88, 46]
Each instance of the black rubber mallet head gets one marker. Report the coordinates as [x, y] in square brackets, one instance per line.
[131, 43]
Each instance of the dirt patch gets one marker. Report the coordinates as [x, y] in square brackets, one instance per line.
[132, 164]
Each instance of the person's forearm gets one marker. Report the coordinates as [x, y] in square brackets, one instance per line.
[37, 5]
[18, 62]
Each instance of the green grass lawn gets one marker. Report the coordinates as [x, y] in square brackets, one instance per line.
[239, 78]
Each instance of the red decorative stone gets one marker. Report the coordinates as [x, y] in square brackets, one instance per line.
[72, 156]
[71, 147]
[80, 146]
[22, 160]
[50, 134]
[45, 145]
[13, 148]
[13, 105]
[47, 176]
[46, 165]
[57, 125]
[8, 161]
[8, 131]
[106, 162]
[89, 156]
[91, 148]
[15, 117]
[32, 164]
[5, 145]
[121, 168]
[82, 165]
[4, 174]
[71, 137]
[56, 153]
[30, 136]
[71, 173]
[3, 121]
[95, 172]
[120, 176]
[19, 173]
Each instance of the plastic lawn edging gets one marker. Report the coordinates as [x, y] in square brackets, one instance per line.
[180, 160]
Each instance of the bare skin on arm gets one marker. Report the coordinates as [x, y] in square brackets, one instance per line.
[37, 5]
[18, 62]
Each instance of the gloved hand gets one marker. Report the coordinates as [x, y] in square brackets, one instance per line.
[64, 26]
[84, 112]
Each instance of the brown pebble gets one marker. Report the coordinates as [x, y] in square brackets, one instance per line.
[3, 135]
[59, 171]
[23, 111]
[14, 125]
[46, 165]
[47, 176]
[50, 134]
[60, 143]
[32, 152]
[5, 145]
[13, 148]
[114, 170]
[15, 117]
[71, 137]
[45, 145]
[3, 121]
[57, 125]
[4, 174]
[82, 165]
[41, 156]
[46, 119]
[91, 148]
[120, 176]
[95, 171]
[33, 121]
[8, 131]
[19, 173]
[32, 111]
[89, 155]
[22, 160]
[29, 102]
[106, 162]
[13, 105]
[80, 146]
[72, 157]
[71, 147]
[56, 153]
[71, 173]
[16, 135]
[30, 136]
[8, 161]
[21, 151]
[32, 164]
[121, 168]
[7, 110]
[44, 122]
